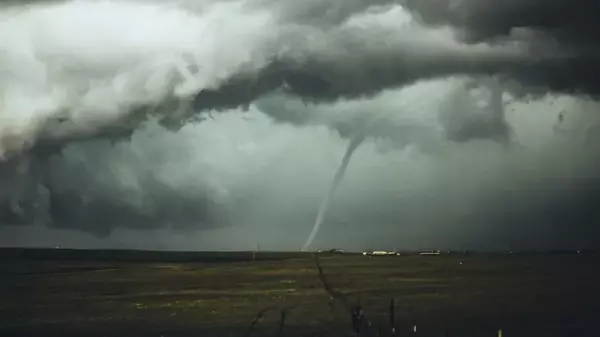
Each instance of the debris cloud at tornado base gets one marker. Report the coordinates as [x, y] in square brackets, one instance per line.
[298, 78]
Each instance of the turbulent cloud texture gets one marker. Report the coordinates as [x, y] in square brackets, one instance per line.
[229, 118]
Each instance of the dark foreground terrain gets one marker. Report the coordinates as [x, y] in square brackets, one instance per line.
[68, 293]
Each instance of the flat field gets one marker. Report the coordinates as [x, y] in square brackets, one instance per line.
[119, 293]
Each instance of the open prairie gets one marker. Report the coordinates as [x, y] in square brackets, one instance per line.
[128, 293]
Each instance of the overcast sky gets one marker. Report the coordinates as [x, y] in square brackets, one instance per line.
[221, 124]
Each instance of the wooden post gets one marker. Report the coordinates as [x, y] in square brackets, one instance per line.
[392, 316]
[281, 323]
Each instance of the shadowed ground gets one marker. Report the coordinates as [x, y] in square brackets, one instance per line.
[67, 293]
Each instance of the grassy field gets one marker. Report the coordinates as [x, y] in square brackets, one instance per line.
[70, 293]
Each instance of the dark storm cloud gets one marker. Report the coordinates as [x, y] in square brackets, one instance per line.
[101, 214]
[353, 63]
[354, 49]
[559, 34]
[474, 109]
[356, 65]
[560, 25]
[75, 197]
[570, 21]
[83, 196]
[320, 60]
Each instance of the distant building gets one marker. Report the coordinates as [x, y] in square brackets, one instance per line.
[380, 253]
[334, 250]
[430, 252]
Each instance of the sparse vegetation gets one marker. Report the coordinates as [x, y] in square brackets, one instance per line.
[533, 295]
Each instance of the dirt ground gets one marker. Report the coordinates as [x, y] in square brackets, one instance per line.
[454, 295]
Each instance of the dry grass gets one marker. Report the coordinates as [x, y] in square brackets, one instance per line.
[191, 299]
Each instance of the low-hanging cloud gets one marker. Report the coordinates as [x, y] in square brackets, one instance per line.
[560, 25]
[71, 75]
[78, 73]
